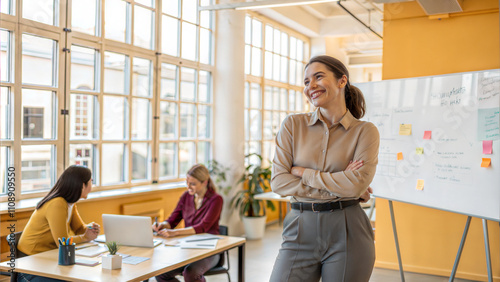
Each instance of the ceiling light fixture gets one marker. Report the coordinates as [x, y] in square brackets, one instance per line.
[262, 4]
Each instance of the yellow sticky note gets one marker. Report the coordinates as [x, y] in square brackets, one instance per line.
[486, 162]
[420, 184]
[405, 129]
[400, 156]
[420, 151]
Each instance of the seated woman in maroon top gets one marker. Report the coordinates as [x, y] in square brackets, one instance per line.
[200, 207]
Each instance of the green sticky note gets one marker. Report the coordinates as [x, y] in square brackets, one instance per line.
[420, 151]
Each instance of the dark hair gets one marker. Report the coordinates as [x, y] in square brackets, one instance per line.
[69, 185]
[201, 173]
[354, 99]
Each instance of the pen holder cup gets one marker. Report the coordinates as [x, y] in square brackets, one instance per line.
[66, 254]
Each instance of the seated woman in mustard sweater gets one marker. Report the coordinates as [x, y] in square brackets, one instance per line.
[56, 216]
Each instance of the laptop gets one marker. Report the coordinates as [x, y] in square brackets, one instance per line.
[128, 230]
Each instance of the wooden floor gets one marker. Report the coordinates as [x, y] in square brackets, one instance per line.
[260, 256]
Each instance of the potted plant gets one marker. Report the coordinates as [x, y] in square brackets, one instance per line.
[112, 261]
[256, 180]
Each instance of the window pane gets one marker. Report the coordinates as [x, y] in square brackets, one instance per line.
[141, 161]
[256, 62]
[291, 100]
[293, 47]
[84, 155]
[83, 16]
[188, 120]
[168, 81]
[5, 113]
[188, 86]
[114, 154]
[206, 47]
[268, 65]
[6, 7]
[268, 125]
[115, 73]
[113, 122]
[83, 68]
[37, 168]
[143, 27]
[5, 55]
[141, 119]
[283, 99]
[205, 19]
[276, 123]
[277, 41]
[298, 102]
[204, 153]
[116, 18]
[256, 33]
[267, 152]
[188, 41]
[276, 98]
[38, 114]
[284, 69]
[255, 96]
[247, 126]
[168, 120]
[3, 169]
[170, 7]
[269, 38]
[247, 59]
[268, 98]
[38, 54]
[168, 160]
[187, 157]
[255, 125]
[284, 44]
[170, 36]
[300, 76]
[247, 95]
[149, 3]
[254, 147]
[204, 87]
[276, 67]
[248, 30]
[142, 78]
[40, 10]
[292, 72]
[204, 121]
[82, 118]
[189, 10]
[300, 50]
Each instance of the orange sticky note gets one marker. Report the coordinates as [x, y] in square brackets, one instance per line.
[487, 147]
[420, 184]
[427, 134]
[405, 129]
[486, 162]
[400, 156]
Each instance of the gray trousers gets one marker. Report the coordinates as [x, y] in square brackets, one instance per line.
[334, 246]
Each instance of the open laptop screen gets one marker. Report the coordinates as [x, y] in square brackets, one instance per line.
[128, 230]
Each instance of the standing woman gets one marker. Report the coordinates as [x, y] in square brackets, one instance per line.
[326, 161]
[200, 207]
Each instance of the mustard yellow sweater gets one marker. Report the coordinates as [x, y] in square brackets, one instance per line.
[49, 223]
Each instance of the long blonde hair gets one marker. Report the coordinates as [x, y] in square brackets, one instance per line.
[201, 173]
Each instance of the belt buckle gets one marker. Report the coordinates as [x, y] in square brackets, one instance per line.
[312, 207]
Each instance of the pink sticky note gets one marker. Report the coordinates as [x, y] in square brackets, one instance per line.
[427, 134]
[487, 144]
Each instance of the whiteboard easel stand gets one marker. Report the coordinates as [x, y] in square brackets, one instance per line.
[401, 272]
[486, 249]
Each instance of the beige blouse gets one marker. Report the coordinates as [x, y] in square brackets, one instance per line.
[305, 140]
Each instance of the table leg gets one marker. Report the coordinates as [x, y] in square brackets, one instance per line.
[241, 263]
[280, 220]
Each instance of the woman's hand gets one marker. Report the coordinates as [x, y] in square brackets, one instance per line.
[365, 197]
[167, 233]
[160, 226]
[354, 165]
[92, 231]
[297, 171]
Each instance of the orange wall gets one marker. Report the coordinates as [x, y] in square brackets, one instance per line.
[415, 45]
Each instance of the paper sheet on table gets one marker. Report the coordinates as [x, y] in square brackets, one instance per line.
[205, 244]
[92, 251]
[199, 237]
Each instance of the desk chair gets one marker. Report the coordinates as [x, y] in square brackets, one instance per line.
[219, 268]
[13, 238]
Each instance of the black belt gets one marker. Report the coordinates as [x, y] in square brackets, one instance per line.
[320, 207]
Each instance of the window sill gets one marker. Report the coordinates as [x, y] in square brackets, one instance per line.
[30, 204]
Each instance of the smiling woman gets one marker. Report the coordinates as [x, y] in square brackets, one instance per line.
[326, 161]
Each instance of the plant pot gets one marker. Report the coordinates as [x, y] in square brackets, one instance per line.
[254, 227]
[112, 262]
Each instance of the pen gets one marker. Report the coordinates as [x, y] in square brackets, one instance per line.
[208, 245]
[70, 241]
[60, 242]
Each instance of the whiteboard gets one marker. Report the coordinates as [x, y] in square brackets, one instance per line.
[461, 110]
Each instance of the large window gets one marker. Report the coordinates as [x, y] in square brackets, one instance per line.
[125, 89]
[274, 62]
